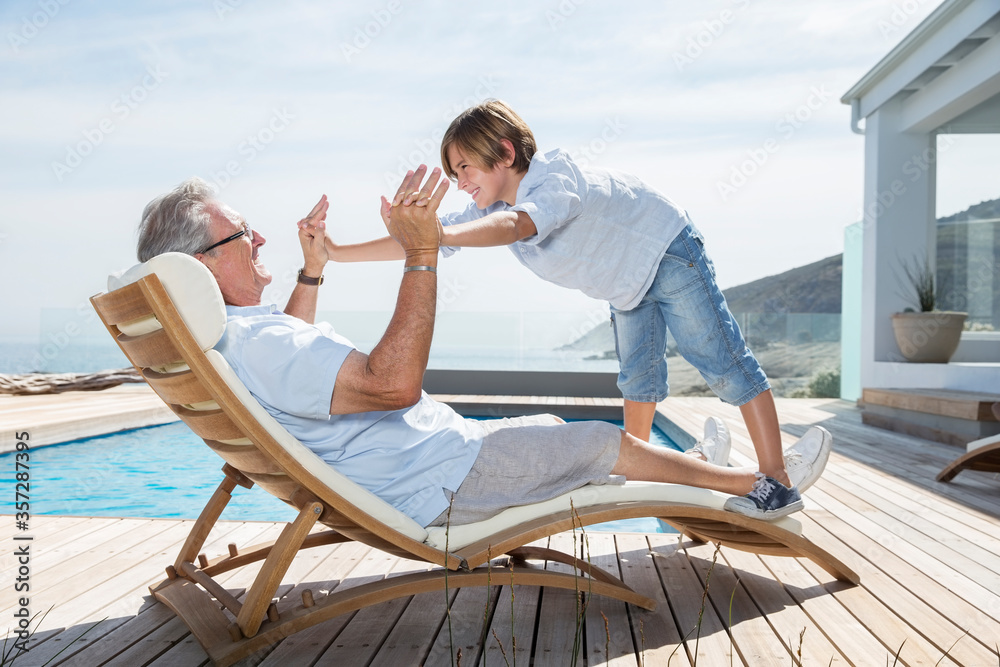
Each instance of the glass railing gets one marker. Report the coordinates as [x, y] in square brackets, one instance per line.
[792, 347]
[968, 271]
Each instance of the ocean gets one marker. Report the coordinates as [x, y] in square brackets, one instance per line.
[90, 357]
[74, 340]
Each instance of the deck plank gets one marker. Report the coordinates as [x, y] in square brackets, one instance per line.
[753, 637]
[790, 623]
[464, 628]
[608, 621]
[853, 642]
[57, 418]
[558, 616]
[512, 629]
[892, 605]
[413, 635]
[362, 638]
[115, 595]
[343, 569]
[654, 634]
[913, 562]
[705, 635]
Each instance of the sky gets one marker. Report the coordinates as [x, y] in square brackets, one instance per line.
[731, 108]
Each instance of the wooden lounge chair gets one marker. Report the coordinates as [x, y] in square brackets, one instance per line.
[982, 455]
[167, 315]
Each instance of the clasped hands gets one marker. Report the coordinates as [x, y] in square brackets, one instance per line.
[411, 217]
[312, 238]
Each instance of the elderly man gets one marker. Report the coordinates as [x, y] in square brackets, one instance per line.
[366, 414]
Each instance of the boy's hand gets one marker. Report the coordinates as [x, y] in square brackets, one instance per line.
[312, 238]
[385, 210]
[416, 229]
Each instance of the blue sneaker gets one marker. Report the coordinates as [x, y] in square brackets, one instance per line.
[769, 500]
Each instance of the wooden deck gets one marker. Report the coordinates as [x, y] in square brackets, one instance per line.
[928, 555]
[55, 418]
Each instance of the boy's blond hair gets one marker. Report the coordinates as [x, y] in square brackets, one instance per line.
[477, 132]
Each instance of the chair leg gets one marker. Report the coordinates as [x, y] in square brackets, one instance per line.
[213, 510]
[288, 544]
[543, 553]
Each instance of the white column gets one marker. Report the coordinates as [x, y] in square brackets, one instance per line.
[898, 226]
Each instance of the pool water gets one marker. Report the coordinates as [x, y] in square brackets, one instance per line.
[160, 471]
[166, 472]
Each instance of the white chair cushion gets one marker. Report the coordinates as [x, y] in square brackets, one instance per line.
[191, 287]
[586, 496]
[982, 442]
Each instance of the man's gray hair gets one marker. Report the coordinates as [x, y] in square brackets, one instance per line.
[178, 221]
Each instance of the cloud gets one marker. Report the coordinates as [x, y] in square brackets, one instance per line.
[370, 87]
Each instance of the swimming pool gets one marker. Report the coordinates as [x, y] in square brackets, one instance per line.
[167, 472]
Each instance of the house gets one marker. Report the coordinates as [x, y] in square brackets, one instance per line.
[941, 79]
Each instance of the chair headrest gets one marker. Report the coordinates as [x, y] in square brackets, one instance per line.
[192, 288]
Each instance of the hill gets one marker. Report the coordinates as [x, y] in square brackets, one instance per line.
[813, 288]
[985, 210]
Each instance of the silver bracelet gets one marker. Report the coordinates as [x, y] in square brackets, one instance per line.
[420, 268]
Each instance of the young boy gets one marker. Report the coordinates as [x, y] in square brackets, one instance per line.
[613, 237]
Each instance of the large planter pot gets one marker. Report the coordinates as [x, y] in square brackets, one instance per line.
[928, 338]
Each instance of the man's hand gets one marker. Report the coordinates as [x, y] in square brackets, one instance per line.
[416, 228]
[312, 237]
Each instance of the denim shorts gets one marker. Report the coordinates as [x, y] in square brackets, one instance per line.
[684, 299]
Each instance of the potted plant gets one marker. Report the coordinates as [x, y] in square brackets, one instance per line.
[928, 336]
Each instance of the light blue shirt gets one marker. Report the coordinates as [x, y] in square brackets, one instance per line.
[601, 232]
[403, 456]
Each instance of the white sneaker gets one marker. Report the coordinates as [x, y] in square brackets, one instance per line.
[806, 459]
[715, 445]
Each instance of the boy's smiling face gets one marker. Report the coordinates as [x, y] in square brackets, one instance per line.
[486, 186]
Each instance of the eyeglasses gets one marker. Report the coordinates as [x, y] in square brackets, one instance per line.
[246, 230]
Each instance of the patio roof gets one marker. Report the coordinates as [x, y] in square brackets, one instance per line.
[947, 68]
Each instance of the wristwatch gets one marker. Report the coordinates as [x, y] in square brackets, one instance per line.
[306, 280]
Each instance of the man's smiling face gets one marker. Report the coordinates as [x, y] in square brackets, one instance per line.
[236, 266]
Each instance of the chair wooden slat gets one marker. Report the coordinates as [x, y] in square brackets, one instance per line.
[122, 305]
[210, 424]
[280, 486]
[150, 350]
[245, 458]
[180, 388]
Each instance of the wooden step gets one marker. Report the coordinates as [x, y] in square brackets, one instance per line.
[943, 415]
[945, 402]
